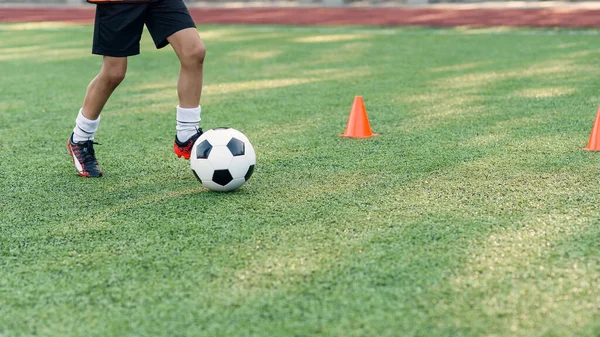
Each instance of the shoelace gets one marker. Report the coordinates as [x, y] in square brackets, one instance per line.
[88, 152]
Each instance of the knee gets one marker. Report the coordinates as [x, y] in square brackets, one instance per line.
[114, 75]
[194, 55]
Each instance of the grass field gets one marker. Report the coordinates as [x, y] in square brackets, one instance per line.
[473, 213]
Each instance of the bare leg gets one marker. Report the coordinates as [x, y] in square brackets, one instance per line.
[102, 86]
[191, 51]
[80, 144]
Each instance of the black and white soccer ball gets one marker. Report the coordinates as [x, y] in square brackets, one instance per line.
[222, 159]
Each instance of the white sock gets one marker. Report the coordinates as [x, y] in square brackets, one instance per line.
[84, 128]
[188, 120]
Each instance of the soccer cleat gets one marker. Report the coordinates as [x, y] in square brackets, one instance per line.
[84, 158]
[184, 149]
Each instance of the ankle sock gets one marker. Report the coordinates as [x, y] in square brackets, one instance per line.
[84, 128]
[188, 120]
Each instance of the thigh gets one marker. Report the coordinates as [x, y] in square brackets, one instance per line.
[165, 18]
[118, 29]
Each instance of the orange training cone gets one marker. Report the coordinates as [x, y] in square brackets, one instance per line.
[358, 122]
[594, 142]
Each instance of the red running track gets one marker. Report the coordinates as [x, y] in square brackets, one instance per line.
[433, 17]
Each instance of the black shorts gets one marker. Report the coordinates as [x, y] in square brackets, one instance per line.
[118, 28]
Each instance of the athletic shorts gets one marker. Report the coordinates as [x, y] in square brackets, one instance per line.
[118, 27]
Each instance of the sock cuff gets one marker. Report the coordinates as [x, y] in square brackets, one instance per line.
[88, 125]
[84, 128]
[83, 119]
[188, 115]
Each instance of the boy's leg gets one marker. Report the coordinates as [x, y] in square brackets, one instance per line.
[169, 22]
[81, 142]
[191, 51]
[117, 32]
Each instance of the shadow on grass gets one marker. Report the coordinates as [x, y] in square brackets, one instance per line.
[423, 230]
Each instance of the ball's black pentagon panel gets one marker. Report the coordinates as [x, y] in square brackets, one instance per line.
[222, 177]
[249, 173]
[203, 150]
[236, 147]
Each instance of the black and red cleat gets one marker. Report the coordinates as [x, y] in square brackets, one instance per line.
[184, 149]
[84, 158]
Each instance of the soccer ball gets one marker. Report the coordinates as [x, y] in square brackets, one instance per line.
[222, 159]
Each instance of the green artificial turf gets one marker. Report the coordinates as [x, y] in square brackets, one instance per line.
[475, 212]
